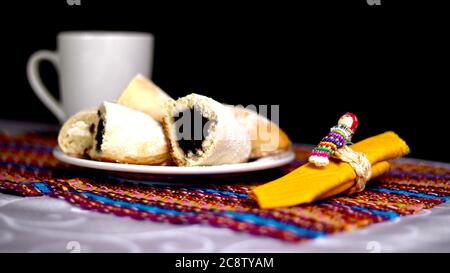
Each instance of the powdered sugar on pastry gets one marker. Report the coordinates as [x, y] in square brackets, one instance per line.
[128, 136]
[220, 139]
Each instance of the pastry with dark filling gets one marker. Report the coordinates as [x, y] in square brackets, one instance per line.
[202, 131]
[125, 135]
[76, 135]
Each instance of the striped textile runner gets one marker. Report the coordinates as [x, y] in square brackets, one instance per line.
[28, 168]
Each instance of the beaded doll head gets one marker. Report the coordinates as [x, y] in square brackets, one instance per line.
[348, 122]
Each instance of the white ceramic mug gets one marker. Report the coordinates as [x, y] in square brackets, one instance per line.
[92, 66]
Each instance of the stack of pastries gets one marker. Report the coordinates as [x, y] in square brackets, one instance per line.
[146, 126]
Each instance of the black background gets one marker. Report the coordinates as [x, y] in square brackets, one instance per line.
[387, 64]
[165, 262]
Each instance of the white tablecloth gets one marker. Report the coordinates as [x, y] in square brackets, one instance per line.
[43, 224]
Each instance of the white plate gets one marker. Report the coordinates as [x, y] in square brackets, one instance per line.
[263, 163]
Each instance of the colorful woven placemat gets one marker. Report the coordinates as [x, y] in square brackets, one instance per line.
[28, 168]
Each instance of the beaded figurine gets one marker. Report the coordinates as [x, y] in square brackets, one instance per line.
[339, 135]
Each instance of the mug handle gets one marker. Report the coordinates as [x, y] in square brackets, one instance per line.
[36, 83]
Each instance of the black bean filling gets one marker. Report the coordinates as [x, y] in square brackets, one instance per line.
[100, 132]
[188, 140]
[92, 128]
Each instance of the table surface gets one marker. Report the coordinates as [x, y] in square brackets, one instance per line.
[43, 224]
